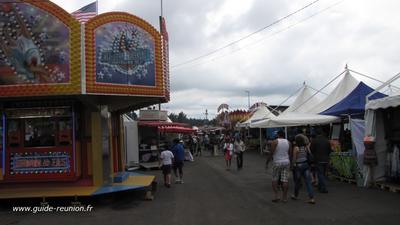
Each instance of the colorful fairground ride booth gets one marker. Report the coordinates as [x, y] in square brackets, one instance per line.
[63, 89]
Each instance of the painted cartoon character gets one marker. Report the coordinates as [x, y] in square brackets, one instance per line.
[18, 45]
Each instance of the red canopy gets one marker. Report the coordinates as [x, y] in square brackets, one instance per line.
[168, 127]
[161, 123]
[175, 129]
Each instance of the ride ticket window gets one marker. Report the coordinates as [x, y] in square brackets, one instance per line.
[65, 131]
[39, 132]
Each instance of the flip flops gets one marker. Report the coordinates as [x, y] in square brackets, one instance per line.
[311, 201]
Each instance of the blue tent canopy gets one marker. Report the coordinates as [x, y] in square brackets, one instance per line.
[354, 103]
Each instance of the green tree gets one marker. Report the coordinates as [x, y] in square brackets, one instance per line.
[182, 118]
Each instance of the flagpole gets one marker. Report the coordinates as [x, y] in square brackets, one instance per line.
[161, 8]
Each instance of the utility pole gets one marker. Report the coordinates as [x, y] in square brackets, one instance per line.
[206, 114]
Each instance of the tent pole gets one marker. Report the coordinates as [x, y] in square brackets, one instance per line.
[286, 136]
[261, 151]
[353, 146]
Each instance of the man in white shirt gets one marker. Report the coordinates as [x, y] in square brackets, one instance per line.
[166, 158]
[280, 168]
[239, 148]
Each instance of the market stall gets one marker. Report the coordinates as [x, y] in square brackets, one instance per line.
[383, 125]
[156, 136]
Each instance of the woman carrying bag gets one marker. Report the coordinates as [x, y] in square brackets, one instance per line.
[301, 160]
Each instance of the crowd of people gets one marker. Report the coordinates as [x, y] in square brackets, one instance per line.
[304, 159]
[172, 159]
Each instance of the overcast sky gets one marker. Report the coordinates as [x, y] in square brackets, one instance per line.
[313, 45]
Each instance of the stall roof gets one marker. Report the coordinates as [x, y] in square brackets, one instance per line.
[261, 113]
[354, 103]
[305, 100]
[295, 119]
[383, 103]
[161, 124]
[342, 89]
[176, 129]
[167, 127]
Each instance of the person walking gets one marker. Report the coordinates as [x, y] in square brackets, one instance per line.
[302, 169]
[190, 144]
[179, 157]
[166, 159]
[197, 151]
[228, 152]
[280, 148]
[321, 150]
[206, 142]
[239, 148]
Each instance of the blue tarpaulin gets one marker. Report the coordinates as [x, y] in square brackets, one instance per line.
[354, 103]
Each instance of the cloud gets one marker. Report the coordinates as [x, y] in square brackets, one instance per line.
[275, 62]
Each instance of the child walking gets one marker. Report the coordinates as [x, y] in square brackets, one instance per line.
[166, 158]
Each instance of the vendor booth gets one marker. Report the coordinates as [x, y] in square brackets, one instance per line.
[155, 134]
[382, 123]
[341, 110]
[64, 87]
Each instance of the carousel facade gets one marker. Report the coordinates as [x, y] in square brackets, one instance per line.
[63, 89]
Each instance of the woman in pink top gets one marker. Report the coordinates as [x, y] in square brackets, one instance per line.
[228, 152]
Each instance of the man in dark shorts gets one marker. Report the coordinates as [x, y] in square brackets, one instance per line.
[179, 156]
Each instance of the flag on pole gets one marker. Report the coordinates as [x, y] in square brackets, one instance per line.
[85, 13]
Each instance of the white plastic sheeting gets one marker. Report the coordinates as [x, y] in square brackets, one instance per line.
[357, 136]
[374, 126]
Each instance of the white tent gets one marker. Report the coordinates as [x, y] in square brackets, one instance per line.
[296, 114]
[260, 113]
[344, 88]
[305, 109]
[295, 119]
[304, 101]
